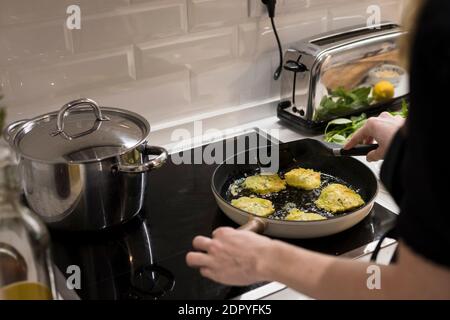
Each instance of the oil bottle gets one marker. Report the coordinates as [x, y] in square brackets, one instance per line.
[26, 269]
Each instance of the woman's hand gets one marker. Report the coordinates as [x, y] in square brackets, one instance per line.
[381, 129]
[232, 257]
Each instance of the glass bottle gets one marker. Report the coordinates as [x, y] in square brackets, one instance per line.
[26, 271]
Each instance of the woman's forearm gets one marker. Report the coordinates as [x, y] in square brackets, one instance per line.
[237, 257]
[321, 276]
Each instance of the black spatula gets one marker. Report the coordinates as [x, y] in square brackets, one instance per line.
[320, 148]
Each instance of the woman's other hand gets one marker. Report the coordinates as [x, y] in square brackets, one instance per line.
[381, 129]
[232, 257]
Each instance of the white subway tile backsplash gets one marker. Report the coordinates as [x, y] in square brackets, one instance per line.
[28, 83]
[165, 59]
[205, 14]
[233, 83]
[20, 11]
[259, 84]
[156, 19]
[5, 85]
[26, 11]
[351, 14]
[19, 42]
[96, 6]
[160, 99]
[219, 85]
[255, 8]
[258, 37]
[175, 54]
[391, 11]
[354, 13]
[258, 9]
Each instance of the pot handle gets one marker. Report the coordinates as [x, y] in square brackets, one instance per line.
[148, 165]
[73, 104]
[256, 225]
[11, 129]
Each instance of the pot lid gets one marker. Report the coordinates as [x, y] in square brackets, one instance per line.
[80, 132]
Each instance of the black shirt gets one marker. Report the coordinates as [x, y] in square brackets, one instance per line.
[416, 168]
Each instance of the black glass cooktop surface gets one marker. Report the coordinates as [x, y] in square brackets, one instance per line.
[145, 258]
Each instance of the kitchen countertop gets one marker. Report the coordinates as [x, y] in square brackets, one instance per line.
[277, 129]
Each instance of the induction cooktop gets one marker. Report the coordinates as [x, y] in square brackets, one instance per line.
[145, 258]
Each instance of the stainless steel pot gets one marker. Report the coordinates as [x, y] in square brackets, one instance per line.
[84, 167]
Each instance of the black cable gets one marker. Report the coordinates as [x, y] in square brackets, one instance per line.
[271, 6]
[391, 233]
[277, 73]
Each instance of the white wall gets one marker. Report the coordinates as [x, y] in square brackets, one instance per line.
[165, 59]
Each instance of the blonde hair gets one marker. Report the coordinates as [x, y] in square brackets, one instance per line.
[411, 13]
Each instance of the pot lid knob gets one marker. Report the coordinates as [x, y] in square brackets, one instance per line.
[73, 104]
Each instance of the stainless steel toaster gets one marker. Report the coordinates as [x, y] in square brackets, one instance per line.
[346, 59]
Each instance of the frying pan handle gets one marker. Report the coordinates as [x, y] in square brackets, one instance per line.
[356, 151]
[256, 225]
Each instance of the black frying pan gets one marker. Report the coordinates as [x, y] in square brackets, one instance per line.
[306, 153]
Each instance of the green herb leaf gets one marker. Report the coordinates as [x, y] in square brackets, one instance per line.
[341, 101]
[403, 112]
[341, 129]
[337, 138]
[340, 121]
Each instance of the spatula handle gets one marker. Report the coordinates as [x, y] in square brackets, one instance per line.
[356, 151]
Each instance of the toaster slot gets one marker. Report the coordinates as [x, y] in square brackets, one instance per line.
[353, 34]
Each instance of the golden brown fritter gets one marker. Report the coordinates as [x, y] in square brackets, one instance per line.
[264, 184]
[257, 206]
[338, 198]
[298, 215]
[306, 179]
